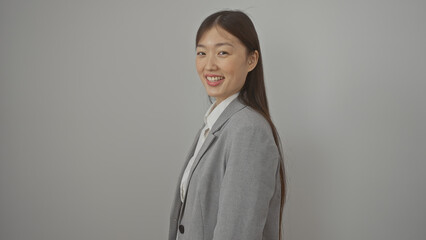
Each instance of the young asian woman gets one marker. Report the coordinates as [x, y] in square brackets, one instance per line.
[232, 185]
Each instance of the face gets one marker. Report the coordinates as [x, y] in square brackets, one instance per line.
[223, 63]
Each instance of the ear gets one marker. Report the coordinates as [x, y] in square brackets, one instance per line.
[252, 60]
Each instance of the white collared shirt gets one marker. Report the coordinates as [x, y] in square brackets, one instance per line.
[210, 118]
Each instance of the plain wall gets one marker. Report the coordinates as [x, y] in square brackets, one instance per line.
[100, 101]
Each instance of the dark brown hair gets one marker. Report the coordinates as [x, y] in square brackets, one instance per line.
[253, 92]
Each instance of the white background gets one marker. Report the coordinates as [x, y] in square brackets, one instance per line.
[100, 101]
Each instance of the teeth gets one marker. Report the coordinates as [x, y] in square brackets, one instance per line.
[214, 79]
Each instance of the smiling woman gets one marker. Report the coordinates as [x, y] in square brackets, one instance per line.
[223, 63]
[232, 185]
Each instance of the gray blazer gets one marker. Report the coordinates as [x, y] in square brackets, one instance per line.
[234, 186]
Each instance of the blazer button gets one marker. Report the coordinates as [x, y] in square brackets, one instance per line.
[181, 228]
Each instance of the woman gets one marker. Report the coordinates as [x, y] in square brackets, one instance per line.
[232, 185]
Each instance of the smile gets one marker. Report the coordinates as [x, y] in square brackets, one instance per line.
[214, 79]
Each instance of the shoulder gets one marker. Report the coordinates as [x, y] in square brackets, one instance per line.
[247, 122]
[248, 134]
[249, 118]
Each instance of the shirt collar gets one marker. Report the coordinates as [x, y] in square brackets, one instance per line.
[213, 112]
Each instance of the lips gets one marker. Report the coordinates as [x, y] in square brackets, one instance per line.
[214, 80]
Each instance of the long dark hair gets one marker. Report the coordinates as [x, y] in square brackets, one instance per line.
[253, 92]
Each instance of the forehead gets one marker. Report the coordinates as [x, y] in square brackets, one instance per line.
[217, 35]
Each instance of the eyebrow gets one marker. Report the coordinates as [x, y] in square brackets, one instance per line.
[216, 45]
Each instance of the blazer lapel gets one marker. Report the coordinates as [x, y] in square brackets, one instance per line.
[177, 201]
[232, 108]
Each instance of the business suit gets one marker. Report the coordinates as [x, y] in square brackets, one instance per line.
[234, 183]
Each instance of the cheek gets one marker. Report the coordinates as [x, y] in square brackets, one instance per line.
[230, 68]
[198, 66]
[238, 71]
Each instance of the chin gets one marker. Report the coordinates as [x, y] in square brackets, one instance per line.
[213, 94]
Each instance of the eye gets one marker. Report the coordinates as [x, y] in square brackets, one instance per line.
[201, 53]
[223, 53]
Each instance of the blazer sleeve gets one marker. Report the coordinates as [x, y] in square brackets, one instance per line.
[248, 184]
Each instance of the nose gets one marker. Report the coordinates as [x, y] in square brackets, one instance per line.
[211, 63]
